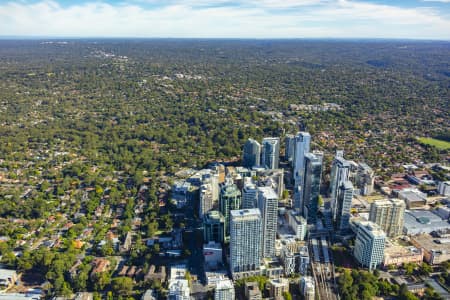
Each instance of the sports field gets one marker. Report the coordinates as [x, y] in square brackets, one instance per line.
[440, 144]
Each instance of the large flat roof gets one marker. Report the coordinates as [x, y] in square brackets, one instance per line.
[268, 192]
[423, 221]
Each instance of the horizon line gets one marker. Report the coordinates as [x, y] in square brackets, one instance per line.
[43, 37]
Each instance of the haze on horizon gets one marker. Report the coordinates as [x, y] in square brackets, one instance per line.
[418, 19]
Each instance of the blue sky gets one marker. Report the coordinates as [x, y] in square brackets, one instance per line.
[417, 19]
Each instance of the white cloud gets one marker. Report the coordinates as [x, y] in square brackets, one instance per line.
[197, 18]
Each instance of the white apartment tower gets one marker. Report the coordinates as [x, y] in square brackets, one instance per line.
[369, 245]
[268, 205]
[389, 215]
[245, 242]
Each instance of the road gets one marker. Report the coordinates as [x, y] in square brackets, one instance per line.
[437, 287]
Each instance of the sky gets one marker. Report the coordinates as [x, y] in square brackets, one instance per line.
[415, 19]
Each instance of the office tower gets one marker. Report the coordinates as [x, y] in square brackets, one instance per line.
[270, 153]
[343, 205]
[205, 199]
[214, 227]
[340, 171]
[313, 173]
[389, 215]
[252, 154]
[229, 199]
[301, 147]
[364, 179]
[369, 245]
[268, 205]
[245, 242]
[289, 144]
[224, 290]
[249, 195]
[307, 288]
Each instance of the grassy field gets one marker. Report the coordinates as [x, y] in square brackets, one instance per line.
[443, 145]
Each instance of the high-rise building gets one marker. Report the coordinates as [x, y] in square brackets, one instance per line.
[307, 288]
[270, 153]
[344, 196]
[249, 195]
[297, 224]
[245, 242]
[389, 215]
[303, 260]
[214, 227]
[252, 154]
[229, 199]
[311, 190]
[224, 290]
[205, 199]
[369, 245]
[364, 179]
[288, 259]
[268, 205]
[301, 147]
[340, 171]
[289, 144]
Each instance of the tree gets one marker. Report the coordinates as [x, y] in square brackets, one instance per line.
[122, 285]
[287, 296]
[409, 268]
[425, 269]
[101, 280]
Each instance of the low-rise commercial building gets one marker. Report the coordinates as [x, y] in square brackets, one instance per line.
[413, 198]
[435, 250]
[7, 278]
[398, 255]
[444, 188]
[423, 221]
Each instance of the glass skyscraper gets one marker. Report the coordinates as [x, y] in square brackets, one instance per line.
[270, 153]
[311, 186]
[252, 154]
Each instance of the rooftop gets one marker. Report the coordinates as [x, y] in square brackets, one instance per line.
[423, 221]
[245, 213]
[268, 192]
[224, 284]
[397, 250]
[214, 215]
[428, 242]
[373, 228]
